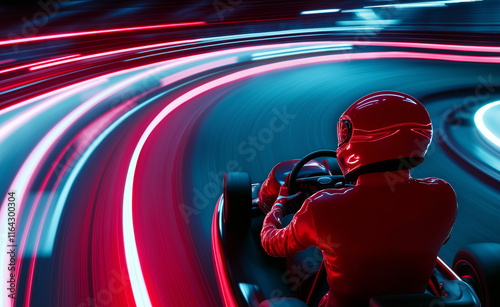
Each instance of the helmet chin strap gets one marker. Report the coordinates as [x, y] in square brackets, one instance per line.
[384, 166]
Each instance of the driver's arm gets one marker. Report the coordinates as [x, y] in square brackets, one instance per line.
[298, 235]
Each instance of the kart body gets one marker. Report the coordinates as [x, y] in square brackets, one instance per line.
[247, 276]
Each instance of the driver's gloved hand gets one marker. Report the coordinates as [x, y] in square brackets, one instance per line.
[290, 203]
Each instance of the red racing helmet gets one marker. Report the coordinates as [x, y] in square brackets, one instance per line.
[383, 131]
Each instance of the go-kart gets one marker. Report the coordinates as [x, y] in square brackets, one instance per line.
[247, 276]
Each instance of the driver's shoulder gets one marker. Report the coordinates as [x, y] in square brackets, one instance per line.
[328, 195]
[433, 183]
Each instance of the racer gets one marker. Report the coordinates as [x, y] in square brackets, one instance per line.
[380, 236]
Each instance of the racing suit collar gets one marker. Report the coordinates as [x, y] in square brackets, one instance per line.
[383, 178]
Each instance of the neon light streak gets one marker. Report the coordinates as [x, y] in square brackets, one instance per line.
[171, 63]
[325, 59]
[139, 286]
[101, 54]
[59, 177]
[133, 264]
[378, 22]
[48, 94]
[37, 63]
[133, 270]
[424, 46]
[223, 279]
[84, 33]
[21, 119]
[198, 69]
[286, 32]
[437, 56]
[25, 175]
[299, 50]
[362, 43]
[258, 54]
[24, 84]
[481, 126]
[211, 45]
[7, 61]
[258, 36]
[64, 124]
[54, 92]
[57, 91]
[357, 11]
[326, 11]
[421, 4]
[23, 244]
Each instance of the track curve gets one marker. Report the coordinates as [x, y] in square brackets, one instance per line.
[117, 176]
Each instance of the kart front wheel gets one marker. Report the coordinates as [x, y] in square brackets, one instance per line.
[479, 266]
[237, 201]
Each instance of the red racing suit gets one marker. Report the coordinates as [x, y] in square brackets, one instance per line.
[376, 238]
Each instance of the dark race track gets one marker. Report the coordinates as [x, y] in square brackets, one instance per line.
[315, 97]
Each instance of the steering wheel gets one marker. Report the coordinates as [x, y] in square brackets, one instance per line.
[320, 182]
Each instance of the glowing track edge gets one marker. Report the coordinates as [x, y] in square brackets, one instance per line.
[481, 126]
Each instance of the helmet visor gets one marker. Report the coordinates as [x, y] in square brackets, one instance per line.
[344, 131]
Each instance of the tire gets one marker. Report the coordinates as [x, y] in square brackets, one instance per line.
[237, 201]
[479, 266]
